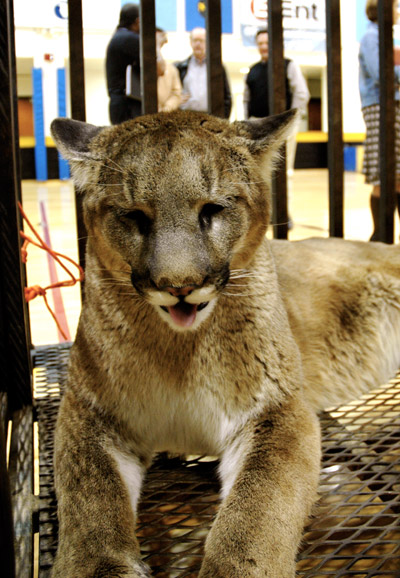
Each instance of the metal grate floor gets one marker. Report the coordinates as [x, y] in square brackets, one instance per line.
[355, 530]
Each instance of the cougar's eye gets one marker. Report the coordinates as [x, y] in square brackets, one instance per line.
[140, 219]
[207, 213]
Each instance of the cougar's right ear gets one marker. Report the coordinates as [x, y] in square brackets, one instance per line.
[73, 138]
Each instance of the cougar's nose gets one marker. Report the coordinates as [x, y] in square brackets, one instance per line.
[180, 291]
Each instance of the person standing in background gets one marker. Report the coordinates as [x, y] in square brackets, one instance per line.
[369, 94]
[256, 96]
[193, 75]
[169, 87]
[123, 50]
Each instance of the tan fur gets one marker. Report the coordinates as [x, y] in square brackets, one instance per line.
[176, 206]
[343, 302]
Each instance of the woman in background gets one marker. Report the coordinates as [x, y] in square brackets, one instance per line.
[369, 94]
[169, 87]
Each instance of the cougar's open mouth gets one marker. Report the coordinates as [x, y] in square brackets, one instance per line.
[183, 313]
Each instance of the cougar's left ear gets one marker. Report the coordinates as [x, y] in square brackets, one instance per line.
[267, 135]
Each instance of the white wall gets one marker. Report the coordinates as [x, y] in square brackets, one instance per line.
[96, 93]
[39, 32]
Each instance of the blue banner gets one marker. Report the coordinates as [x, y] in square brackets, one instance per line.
[63, 166]
[38, 121]
[166, 15]
[195, 15]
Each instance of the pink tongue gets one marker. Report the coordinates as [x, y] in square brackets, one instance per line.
[183, 314]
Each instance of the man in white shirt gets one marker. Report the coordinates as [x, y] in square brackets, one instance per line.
[193, 75]
[256, 97]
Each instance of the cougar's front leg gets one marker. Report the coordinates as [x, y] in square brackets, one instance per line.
[270, 479]
[97, 487]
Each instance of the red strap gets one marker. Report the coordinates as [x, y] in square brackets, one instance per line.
[34, 291]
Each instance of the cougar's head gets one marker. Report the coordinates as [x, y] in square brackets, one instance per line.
[176, 200]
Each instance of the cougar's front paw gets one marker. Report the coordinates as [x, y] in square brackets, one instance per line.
[102, 569]
[142, 571]
[139, 570]
[246, 568]
[224, 569]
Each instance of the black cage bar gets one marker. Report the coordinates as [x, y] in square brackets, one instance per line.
[148, 57]
[335, 122]
[387, 121]
[78, 100]
[14, 326]
[277, 104]
[215, 80]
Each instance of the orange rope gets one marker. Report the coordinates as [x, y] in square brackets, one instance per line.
[35, 290]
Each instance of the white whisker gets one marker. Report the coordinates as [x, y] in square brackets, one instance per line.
[244, 276]
[108, 270]
[250, 294]
[113, 283]
[116, 168]
[232, 285]
[239, 271]
[105, 184]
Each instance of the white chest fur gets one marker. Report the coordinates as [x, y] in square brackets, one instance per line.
[194, 423]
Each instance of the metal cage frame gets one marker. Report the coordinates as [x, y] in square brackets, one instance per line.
[355, 529]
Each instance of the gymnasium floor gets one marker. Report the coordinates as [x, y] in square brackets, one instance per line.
[50, 207]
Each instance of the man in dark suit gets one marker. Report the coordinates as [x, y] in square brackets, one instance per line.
[123, 50]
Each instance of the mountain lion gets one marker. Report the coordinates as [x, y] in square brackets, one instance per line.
[198, 335]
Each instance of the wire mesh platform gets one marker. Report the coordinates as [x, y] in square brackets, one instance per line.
[355, 530]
